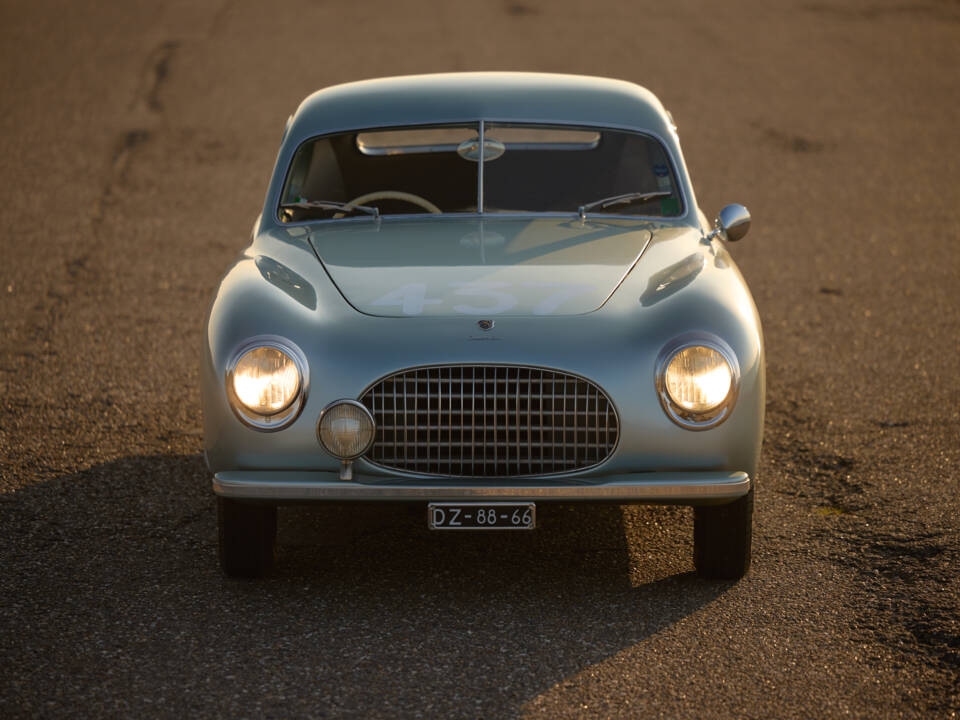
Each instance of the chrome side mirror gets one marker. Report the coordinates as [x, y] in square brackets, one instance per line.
[732, 223]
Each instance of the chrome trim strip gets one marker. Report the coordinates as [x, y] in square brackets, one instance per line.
[415, 426]
[629, 269]
[529, 435]
[672, 220]
[450, 409]
[671, 487]
[563, 417]
[495, 424]
[395, 439]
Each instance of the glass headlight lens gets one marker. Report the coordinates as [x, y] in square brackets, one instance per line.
[698, 379]
[346, 429]
[266, 380]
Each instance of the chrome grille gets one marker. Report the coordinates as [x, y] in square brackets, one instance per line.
[489, 421]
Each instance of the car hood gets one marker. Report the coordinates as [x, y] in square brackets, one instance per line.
[446, 267]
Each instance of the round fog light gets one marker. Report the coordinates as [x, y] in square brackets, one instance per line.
[346, 429]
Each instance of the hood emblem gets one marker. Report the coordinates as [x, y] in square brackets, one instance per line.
[485, 324]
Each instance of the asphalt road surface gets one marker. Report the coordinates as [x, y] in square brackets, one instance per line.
[136, 140]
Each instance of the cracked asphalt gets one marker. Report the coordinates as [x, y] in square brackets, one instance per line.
[136, 140]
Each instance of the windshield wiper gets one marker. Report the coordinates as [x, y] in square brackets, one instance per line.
[329, 205]
[621, 199]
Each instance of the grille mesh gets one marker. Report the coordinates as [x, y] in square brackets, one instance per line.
[489, 421]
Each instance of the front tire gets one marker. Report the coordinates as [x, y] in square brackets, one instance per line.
[722, 538]
[247, 533]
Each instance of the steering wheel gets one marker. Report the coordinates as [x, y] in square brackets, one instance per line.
[397, 195]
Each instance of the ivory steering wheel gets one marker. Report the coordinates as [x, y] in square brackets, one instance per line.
[397, 195]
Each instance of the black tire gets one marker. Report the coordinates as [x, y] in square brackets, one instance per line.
[247, 533]
[722, 537]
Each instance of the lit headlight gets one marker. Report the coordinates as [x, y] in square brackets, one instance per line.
[697, 384]
[266, 380]
[346, 429]
[698, 379]
[267, 383]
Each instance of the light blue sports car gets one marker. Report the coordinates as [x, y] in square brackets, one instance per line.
[483, 292]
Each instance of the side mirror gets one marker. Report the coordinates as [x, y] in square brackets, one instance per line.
[732, 223]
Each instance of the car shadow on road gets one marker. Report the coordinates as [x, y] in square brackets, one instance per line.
[111, 579]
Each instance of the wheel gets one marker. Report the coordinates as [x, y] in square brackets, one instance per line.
[721, 538]
[246, 534]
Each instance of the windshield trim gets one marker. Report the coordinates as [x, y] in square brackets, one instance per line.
[672, 220]
[675, 167]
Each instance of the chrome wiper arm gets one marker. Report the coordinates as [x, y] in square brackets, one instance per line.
[329, 205]
[621, 199]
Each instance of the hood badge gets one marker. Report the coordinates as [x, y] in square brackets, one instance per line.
[485, 324]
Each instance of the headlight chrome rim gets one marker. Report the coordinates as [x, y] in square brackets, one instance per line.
[356, 404]
[284, 416]
[683, 417]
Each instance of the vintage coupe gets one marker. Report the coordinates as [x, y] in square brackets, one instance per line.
[484, 291]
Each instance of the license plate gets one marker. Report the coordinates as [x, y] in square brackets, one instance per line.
[481, 516]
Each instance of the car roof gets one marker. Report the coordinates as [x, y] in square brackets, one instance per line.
[492, 96]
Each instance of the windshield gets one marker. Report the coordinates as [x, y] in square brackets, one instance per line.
[524, 169]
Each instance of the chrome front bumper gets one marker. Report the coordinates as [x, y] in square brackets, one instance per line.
[681, 488]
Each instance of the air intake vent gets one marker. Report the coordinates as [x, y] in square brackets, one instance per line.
[489, 421]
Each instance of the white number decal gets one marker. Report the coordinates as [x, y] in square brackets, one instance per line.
[501, 301]
[411, 298]
[565, 291]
